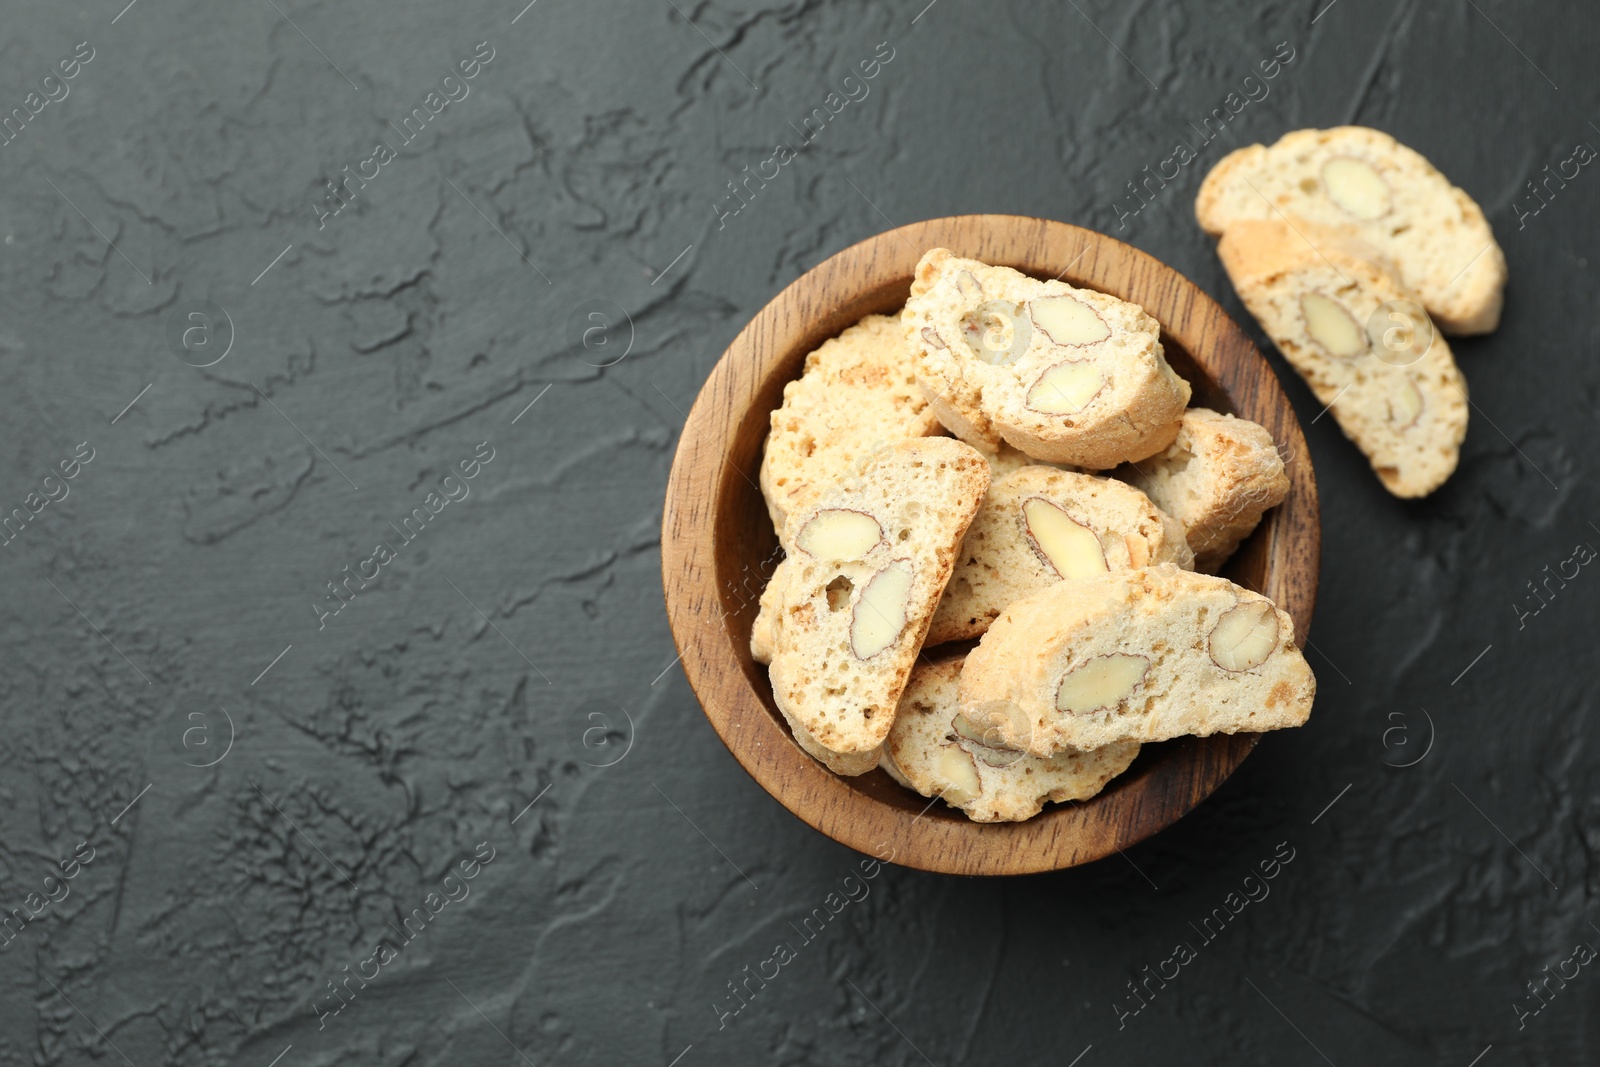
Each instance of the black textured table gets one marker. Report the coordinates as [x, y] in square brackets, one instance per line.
[343, 351]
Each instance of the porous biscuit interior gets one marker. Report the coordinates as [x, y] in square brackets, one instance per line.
[926, 753]
[922, 494]
[985, 399]
[1002, 559]
[856, 395]
[1434, 234]
[1178, 622]
[1409, 420]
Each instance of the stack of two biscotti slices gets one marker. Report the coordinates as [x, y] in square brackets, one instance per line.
[1354, 253]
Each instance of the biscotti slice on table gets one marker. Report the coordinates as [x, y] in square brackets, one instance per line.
[1317, 299]
[844, 616]
[1143, 655]
[1217, 479]
[857, 394]
[1363, 181]
[934, 750]
[1066, 375]
[1039, 526]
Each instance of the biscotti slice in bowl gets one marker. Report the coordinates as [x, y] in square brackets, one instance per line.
[1364, 181]
[1217, 479]
[857, 394]
[934, 750]
[1039, 526]
[1066, 375]
[844, 616]
[1143, 655]
[1326, 308]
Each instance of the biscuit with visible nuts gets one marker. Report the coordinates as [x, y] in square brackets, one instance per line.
[844, 615]
[857, 395]
[1142, 655]
[1217, 479]
[1431, 234]
[1065, 375]
[934, 750]
[1039, 526]
[1324, 305]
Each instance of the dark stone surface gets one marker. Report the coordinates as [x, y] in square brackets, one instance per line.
[379, 751]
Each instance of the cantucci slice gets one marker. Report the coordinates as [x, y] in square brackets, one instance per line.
[857, 395]
[1143, 655]
[1038, 526]
[1065, 375]
[1342, 322]
[934, 750]
[1217, 479]
[844, 616]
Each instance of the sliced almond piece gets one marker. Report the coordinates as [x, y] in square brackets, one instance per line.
[839, 534]
[880, 613]
[1066, 388]
[1067, 320]
[1330, 325]
[1070, 548]
[1405, 405]
[930, 335]
[1245, 636]
[1103, 682]
[1354, 185]
[993, 719]
[969, 285]
[987, 738]
[960, 774]
[964, 727]
[1138, 549]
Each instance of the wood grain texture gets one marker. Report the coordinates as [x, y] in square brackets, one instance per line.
[718, 547]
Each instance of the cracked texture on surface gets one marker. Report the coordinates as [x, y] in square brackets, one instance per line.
[515, 653]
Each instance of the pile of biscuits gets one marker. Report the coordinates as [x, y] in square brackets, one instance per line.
[1354, 254]
[1068, 526]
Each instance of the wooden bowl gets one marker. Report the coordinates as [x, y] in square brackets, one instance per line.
[718, 547]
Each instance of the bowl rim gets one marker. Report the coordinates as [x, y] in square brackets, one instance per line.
[819, 304]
